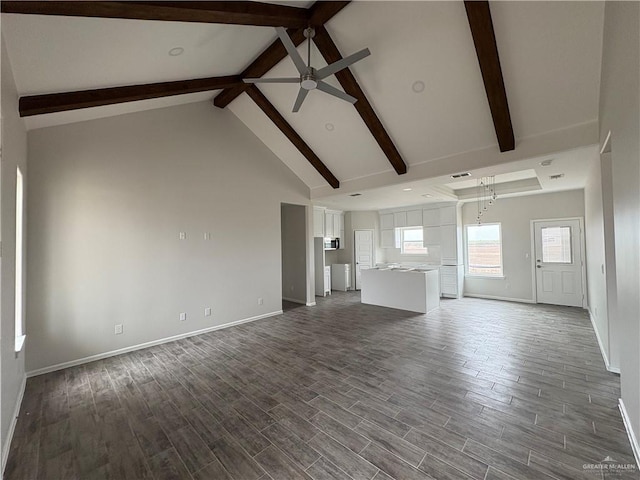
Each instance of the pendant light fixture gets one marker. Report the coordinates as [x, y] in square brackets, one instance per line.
[486, 193]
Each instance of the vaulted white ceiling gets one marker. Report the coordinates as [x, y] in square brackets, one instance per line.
[550, 54]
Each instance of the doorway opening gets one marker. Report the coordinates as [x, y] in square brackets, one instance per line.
[294, 255]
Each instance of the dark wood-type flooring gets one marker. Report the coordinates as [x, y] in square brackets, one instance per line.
[479, 389]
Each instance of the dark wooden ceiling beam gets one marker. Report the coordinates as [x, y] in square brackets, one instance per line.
[350, 85]
[479, 16]
[60, 102]
[270, 111]
[319, 13]
[230, 12]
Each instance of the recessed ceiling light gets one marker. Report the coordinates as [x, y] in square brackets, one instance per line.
[175, 51]
[418, 86]
[460, 175]
[427, 195]
[546, 163]
[329, 126]
[407, 189]
[355, 194]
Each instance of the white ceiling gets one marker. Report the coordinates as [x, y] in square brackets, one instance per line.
[574, 164]
[550, 54]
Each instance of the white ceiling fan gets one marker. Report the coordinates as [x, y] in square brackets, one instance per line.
[310, 78]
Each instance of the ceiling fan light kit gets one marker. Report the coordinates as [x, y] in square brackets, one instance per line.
[310, 78]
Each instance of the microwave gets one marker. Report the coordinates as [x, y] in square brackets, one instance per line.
[331, 243]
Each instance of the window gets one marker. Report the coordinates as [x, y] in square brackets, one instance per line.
[410, 239]
[556, 244]
[19, 260]
[484, 250]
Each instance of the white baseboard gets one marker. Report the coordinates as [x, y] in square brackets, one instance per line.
[311, 304]
[603, 352]
[295, 300]
[632, 436]
[495, 297]
[140, 346]
[12, 427]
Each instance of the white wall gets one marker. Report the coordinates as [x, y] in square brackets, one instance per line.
[14, 153]
[107, 201]
[515, 215]
[619, 113]
[294, 253]
[595, 256]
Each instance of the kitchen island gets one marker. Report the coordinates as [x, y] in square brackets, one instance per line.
[416, 290]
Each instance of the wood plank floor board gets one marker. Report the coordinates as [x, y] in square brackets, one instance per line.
[476, 389]
[287, 441]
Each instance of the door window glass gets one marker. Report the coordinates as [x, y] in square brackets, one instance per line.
[556, 245]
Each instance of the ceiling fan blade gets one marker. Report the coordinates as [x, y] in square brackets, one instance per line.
[291, 50]
[340, 64]
[302, 94]
[272, 80]
[326, 88]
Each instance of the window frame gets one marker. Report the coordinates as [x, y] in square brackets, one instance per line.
[20, 335]
[400, 239]
[467, 262]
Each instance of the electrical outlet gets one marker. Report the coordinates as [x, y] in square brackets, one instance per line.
[119, 329]
[183, 317]
[182, 235]
[207, 236]
[207, 312]
[260, 301]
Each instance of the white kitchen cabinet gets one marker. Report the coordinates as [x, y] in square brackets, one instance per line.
[386, 221]
[431, 235]
[451, 279]
[388, 239]
[327, 280]
[399, 219]
[341, 276]
[336, 224]
[318, 222]
[328, 225]
[431, 217]
[448, 215]
[414, 218]
[449, 245]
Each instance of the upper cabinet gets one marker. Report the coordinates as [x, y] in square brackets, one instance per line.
[329, 224]
[448, 215]
[431, 217]
[386, 221]
[399, 219]
[442, 227]
[414, 218]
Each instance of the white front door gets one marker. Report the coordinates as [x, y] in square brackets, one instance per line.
[558, 256]
[363, 254]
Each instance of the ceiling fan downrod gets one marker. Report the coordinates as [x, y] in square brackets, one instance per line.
[308, 80]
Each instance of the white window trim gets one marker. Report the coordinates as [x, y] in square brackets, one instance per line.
[501, 275]
[400, 241]
[20, 336]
